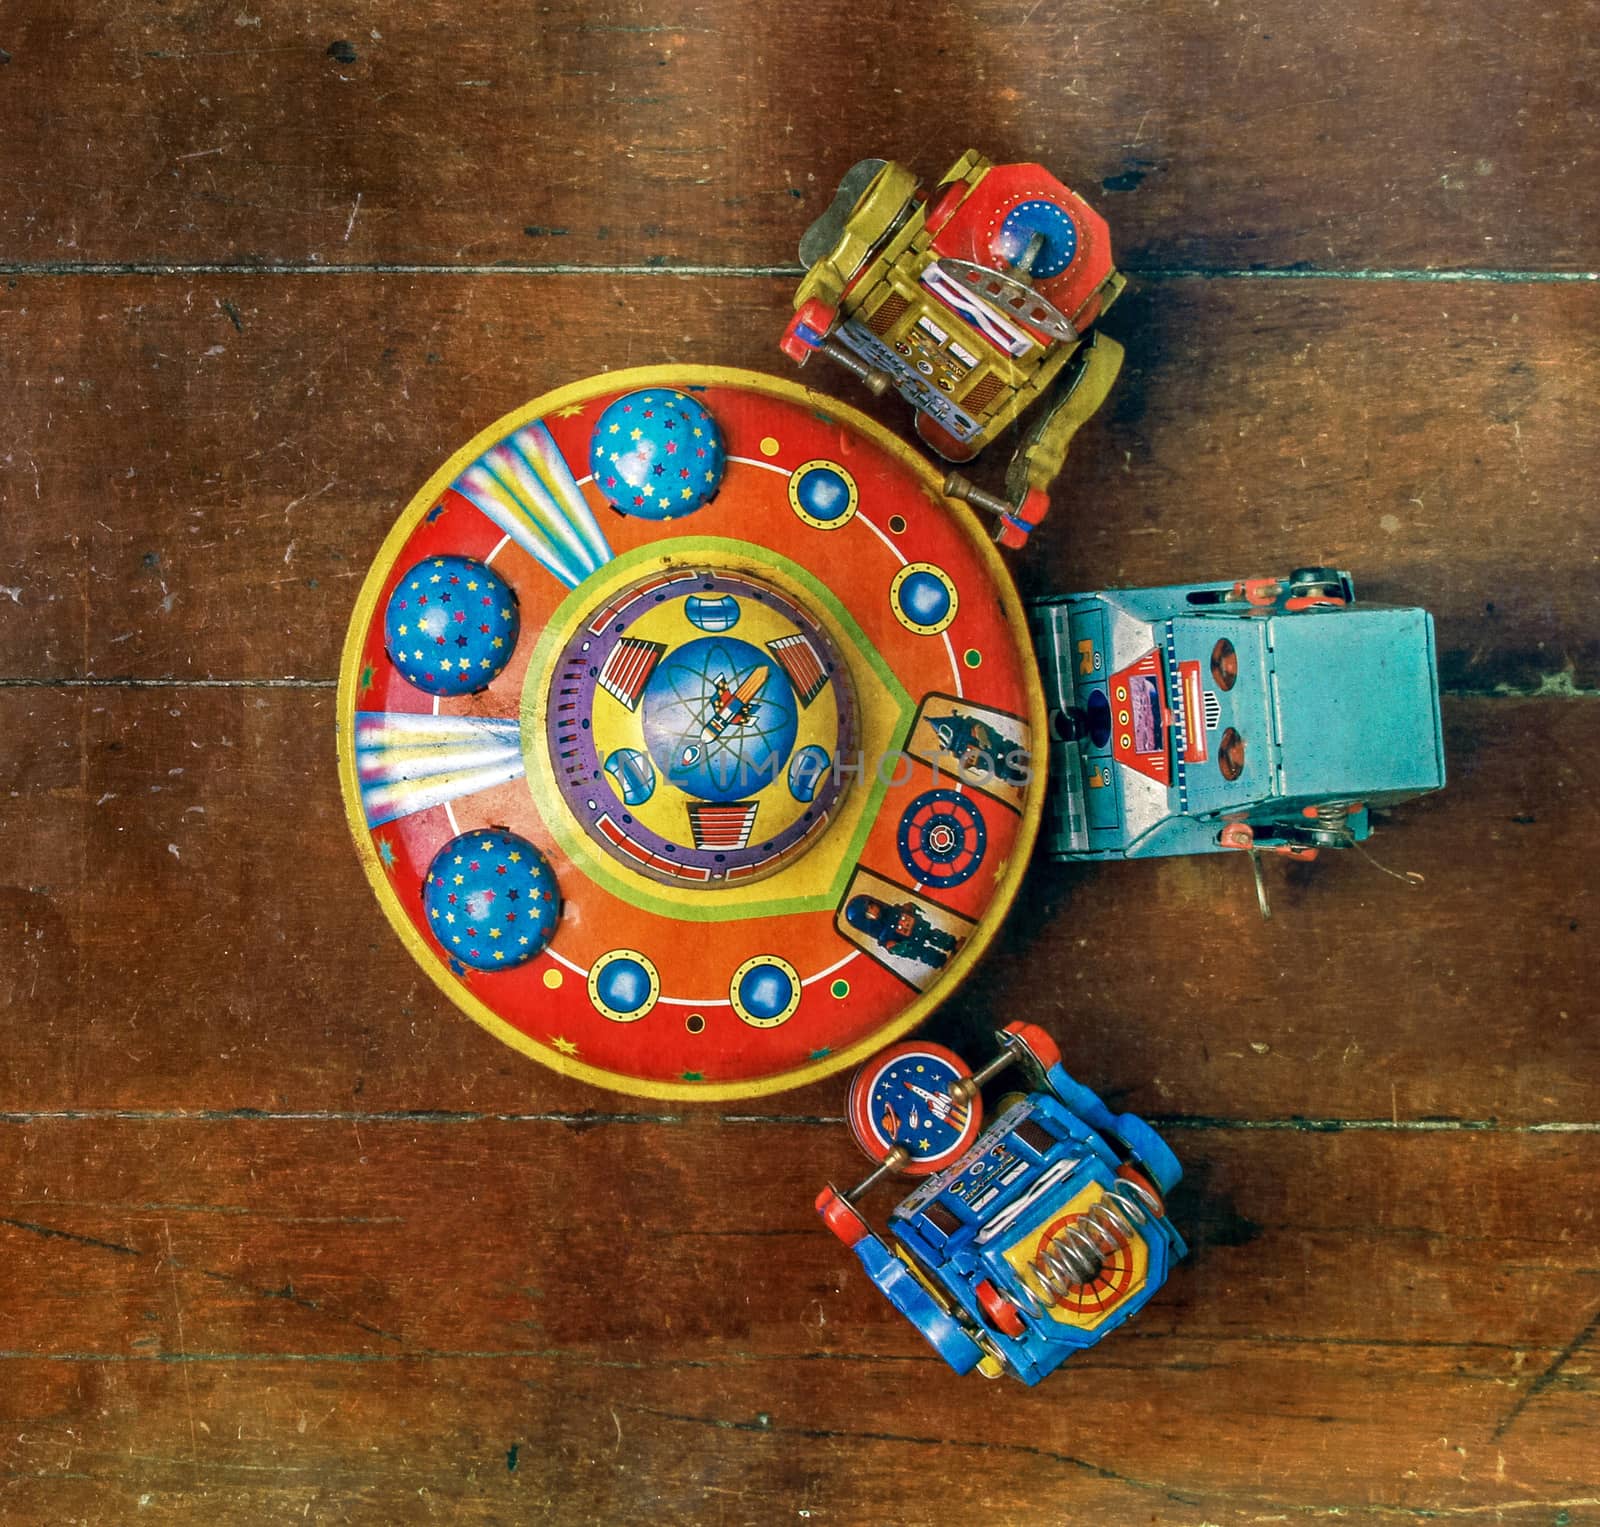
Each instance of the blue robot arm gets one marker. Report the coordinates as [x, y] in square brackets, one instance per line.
[901, 1288]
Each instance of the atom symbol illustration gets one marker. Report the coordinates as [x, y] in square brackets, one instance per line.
[720, 718]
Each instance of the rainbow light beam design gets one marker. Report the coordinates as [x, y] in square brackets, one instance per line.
[407, 763]
[526, 487]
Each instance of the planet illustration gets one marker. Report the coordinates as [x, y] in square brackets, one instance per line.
[720, 718]
[633, 774]
[490, 899]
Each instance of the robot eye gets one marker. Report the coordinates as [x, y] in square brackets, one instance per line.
[1230, 754]
[1224, 664]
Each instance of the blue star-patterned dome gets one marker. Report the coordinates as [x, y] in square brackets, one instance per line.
[491, 899]
[657, 454]
[451, 625]
[720, 718]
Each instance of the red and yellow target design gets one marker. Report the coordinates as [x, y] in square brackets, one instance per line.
[1087, 1304]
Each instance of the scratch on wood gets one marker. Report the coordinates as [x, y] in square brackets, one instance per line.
[50, 1233]
[763, 1424]
[288, 1294]
[305, 498]
[183, 1350]
[1551, 1373]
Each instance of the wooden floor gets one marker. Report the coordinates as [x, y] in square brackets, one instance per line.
[285, 1238]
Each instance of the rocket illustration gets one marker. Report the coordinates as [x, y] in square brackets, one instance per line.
[732, 706]
[941, 1106]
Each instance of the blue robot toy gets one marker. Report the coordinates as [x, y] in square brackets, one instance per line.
[900, 929]
[1029, 1240]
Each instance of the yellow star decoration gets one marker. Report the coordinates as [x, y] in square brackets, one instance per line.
[571, 411]
[565, 1046]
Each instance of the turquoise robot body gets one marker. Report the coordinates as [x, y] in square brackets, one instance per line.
[1265, 713]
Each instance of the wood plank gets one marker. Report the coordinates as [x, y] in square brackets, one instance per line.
[1372, 1436]
[288, 1238]
[364, 1236]
[1321, 134]
[336, 1321]
[191, 931]
[184, 497]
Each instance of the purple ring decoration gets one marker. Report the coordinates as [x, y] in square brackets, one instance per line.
[672, 736]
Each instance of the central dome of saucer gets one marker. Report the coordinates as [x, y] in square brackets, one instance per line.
[697, 723]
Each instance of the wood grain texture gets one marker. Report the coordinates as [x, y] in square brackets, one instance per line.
[555, 1439]
[284, 1237]
[1284, 134]
[173, 955]
[587, 1363]
[204, 467]
[616, 1221]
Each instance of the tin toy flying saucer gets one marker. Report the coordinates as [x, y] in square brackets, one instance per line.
[685, 733]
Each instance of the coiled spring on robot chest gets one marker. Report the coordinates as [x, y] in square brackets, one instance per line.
[1075, 1255]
